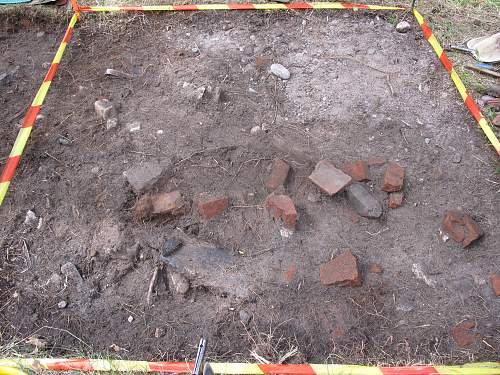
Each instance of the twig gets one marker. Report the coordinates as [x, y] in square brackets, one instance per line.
[203, 151]
[152, 284]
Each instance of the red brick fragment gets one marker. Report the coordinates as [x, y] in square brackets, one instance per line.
[357, 170]
[495, 284]
[342, 270]
[282, 207]
[460, 227]
[395, 200]
[290, 272]
[375, 161]
[159, 204]
[393, 177]
[462, 335]
[496, 120]
[209, 207]
[328, 178]
[376, 268]
[279, 173]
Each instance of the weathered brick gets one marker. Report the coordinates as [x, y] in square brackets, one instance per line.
[159, 204]
[395, 200]
[495, 284]
[209, 207]
[279, 173]
[462, 335]
[282, 207]
[289, 273]
[460, 227]
[393, 178]
[342, 270]
[328, 178]
[357, 170]
[376, 268]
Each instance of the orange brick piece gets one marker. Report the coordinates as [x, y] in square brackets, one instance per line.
[393, 178]
[342, 270]
[213, 206]
[495, 284]
[462, 335]
[357, 170]
[159, 204]
[328, 178]
[282, 207]
[460, 227]
[279, 173]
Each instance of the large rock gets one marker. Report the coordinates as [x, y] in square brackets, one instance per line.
[342, 270]
[142, 177]
[210, 266]
[328, 178]
[460, 227]
[363, 201]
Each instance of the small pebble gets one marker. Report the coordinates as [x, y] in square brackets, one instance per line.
[255, 130]
[130, 319]
[280, 71]
[457, 158]
[30, 218]
[133, 126]
[427, 141]
[245, 317]
[62, 304]
[159, 132]
[40, 34]
[403, 27]
[64, 141]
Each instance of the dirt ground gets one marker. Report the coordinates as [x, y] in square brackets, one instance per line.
[358, 89]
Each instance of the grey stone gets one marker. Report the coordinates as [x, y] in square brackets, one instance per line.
[210, 266]
[171, 246]
[245, 317]
[364, 201]
[133, 251]
[8, 76]
[177, 283]
[62, 304]
[143, 177]
[54, 283]
[71, 272]
[104, 109]
[64, 141]
[133, 126]
[40, 34]
[457, 158]
[403, 27]
[117, 74]
[30, 218]
[280, 71]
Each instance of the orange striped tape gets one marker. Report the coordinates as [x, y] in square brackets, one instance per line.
[466, 97]
[30, 117]
[88, 365]
[236, 6]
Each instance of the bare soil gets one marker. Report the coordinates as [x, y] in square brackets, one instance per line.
[358, 89]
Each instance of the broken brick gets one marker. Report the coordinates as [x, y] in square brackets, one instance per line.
[282, 207]
[357, 170]
[393, 178]
[460, 227]
[462, 335]
[279, 173]
[342, 270]
[375, 161]
[289, 273]
[328, 178]
[213, 206]
[376, 268]
[495, 284]
[159, 204]
[395, 200]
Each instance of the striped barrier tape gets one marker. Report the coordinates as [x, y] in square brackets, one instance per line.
[30, 118]
[466, 97]
[236, 6]
[88, 365]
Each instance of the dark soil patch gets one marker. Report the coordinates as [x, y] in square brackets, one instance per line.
[357, 90]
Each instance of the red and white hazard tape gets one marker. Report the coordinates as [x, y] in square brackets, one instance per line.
[466, 97]
[30, 117]
[88, 365]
